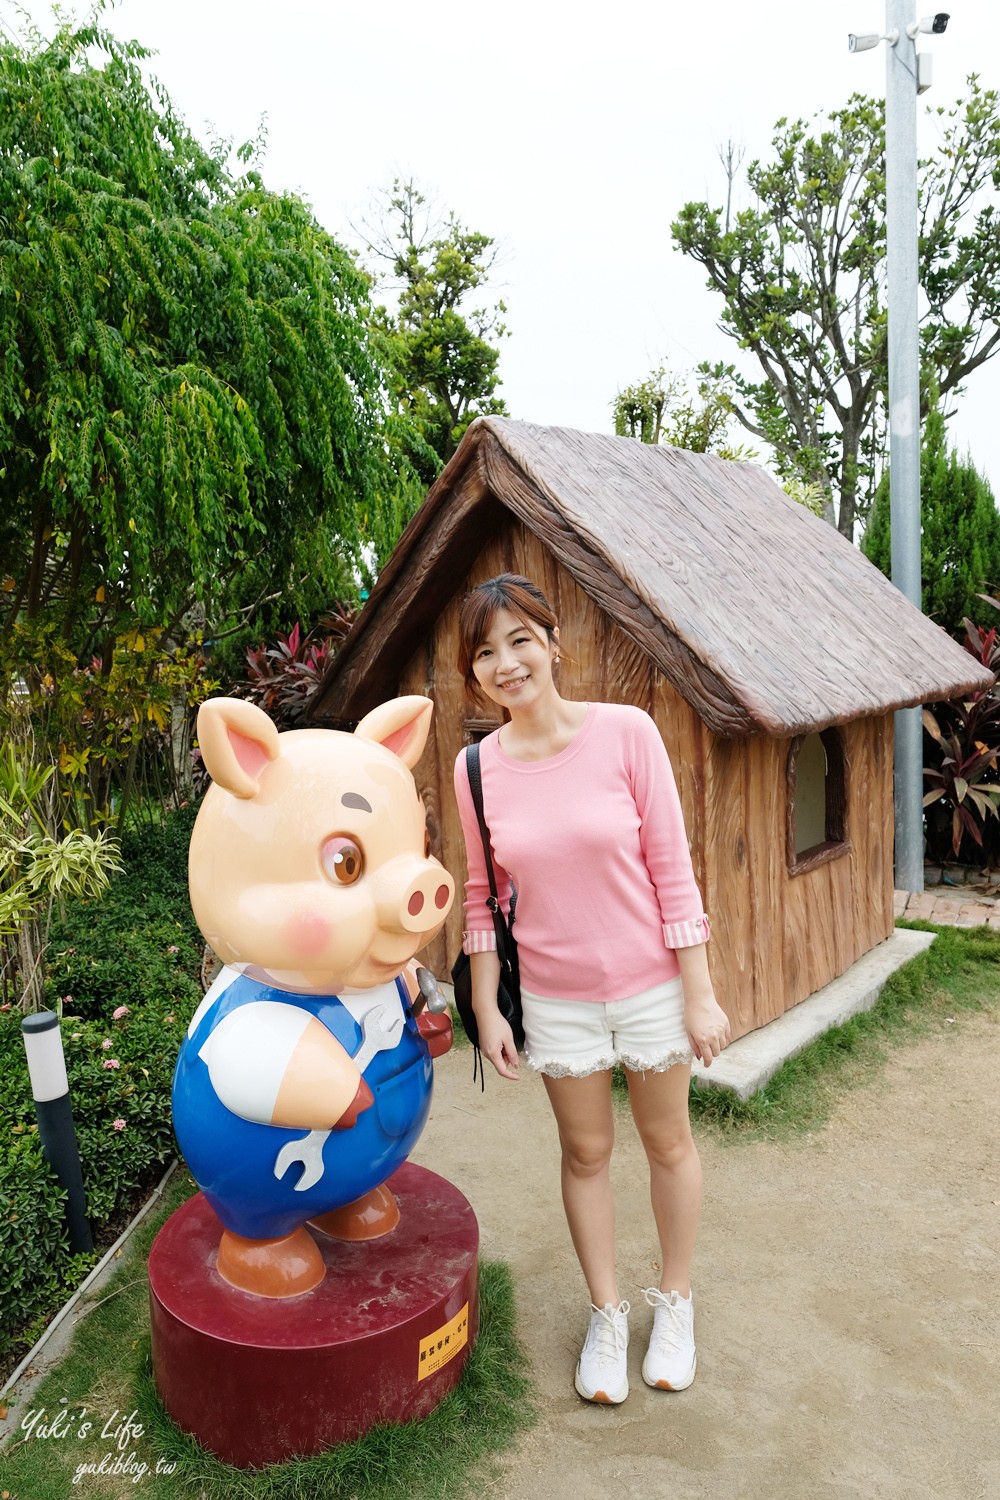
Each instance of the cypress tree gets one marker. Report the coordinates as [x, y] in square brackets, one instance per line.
[960, 533]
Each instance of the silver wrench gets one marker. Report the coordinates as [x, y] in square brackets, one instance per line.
[309, 1151]
[380, 1029]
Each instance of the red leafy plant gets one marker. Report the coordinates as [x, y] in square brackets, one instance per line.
[282, 679]
[963, 748]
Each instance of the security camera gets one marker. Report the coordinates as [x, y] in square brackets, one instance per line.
[929, 24]
[864, 42]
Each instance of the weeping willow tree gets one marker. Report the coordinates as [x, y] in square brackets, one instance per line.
[191, 402]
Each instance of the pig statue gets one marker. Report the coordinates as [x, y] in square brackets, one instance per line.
[305, 1077]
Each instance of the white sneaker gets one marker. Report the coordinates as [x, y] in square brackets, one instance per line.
[602, 1374]
[670, 1360]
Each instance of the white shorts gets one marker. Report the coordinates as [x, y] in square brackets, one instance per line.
[571, 1038]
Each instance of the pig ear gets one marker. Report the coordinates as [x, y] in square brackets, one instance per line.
[401, 725]
[237, 740]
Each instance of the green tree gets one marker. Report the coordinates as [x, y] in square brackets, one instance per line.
[445, 353]
[960, 533]
[802, 277]
[192, 405]
[664, 408]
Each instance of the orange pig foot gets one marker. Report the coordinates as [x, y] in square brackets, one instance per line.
[367, 1218]
[285, 1267]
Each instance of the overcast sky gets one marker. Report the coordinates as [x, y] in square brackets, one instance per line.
[572, 133]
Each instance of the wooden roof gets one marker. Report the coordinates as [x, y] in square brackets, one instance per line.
[760, 614]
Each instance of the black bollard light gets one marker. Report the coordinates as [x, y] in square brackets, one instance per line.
[50, 1090]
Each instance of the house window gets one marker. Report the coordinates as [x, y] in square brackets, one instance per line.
[478, 729]
[817, 800]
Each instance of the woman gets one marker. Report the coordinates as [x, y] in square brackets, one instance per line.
[585, 820]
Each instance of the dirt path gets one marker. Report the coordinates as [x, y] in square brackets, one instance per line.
[847, 1293]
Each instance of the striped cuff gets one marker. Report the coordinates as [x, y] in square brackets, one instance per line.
[477, 941]
[687, 934]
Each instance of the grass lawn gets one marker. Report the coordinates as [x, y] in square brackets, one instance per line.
[958, 974]
[107, 1376]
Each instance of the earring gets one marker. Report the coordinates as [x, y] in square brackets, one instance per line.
[556, 662]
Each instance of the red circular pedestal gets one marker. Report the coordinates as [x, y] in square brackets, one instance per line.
[383, 1338]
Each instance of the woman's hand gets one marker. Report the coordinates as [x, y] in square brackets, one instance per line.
[707, 1026]
[705, 1022]
[496, 1042]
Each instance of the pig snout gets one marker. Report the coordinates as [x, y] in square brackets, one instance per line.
[414, 896]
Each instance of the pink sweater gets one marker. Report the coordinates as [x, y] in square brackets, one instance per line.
[593, 839]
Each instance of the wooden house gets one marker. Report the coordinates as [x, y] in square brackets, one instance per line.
[770, 653]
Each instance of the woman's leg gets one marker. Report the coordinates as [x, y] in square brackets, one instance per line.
[660, 1110]
[582, 1107]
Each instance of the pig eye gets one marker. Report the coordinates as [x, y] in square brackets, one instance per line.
[342, 859]
[427, 845]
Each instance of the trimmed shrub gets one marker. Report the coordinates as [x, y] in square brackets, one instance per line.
[34, 1243]
[124, 973]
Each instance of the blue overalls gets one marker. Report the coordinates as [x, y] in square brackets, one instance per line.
[233, 1160]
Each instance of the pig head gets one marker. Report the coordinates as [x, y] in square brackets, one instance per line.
[309, 865]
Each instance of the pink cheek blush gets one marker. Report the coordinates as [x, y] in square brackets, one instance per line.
[307, 935]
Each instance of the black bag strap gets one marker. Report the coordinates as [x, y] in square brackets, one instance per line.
[475, 773]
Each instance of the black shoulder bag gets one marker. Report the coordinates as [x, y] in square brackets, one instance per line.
[509, 992]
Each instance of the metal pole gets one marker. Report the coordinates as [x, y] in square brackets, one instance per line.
[904, 409]
[50, 1090]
